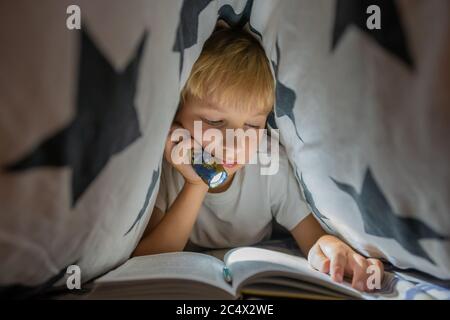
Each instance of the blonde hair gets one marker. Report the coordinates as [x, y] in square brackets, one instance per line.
[232, 70]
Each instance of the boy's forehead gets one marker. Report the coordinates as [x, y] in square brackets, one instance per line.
[203, 103]
[224, 107]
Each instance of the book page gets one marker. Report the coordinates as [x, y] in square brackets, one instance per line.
[178, 265]
[287, 245]
[252, 265]
[278, 289]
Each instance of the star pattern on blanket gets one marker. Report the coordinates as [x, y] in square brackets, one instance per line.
[310, 200]
[149, 194]
[380, 219]
[391, 36]
[187, 30]
[241, 20]
[284, 96]
[105, 123]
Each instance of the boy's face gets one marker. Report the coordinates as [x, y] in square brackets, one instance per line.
[221, 117]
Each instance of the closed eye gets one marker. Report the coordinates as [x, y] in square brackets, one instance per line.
[213, 122]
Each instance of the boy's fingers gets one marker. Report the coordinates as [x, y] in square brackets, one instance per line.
[318, 260]
[168, 148]
[378, 264]
[380, 269]
[180, 152]
[359, 265]
[175, 126]
[170, 143]
[178, 142]
[178, 133]
[337, 266]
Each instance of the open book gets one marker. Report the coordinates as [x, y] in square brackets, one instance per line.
[246, 271]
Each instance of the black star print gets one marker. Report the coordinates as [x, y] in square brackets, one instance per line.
[147, 199]
[284, 97]
[106, 121]
[234, 20]
[310, 200]
[391, 36]
[381, 221]
[271, 123]
[187, 30]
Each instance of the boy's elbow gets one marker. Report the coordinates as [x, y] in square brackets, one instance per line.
[142, 250]
[137, 252]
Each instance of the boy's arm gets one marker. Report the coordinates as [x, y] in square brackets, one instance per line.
[170, 232]
[306, 233]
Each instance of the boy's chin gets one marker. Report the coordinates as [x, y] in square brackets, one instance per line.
[233, 169]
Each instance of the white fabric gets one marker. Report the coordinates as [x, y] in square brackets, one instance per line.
[242, 214]
[40, 232]
[356, 107]
[360, 107]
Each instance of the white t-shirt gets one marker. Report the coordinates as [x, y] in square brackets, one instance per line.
[241, 215]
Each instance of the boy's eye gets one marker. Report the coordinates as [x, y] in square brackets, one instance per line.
[213, 122]
[252, 126]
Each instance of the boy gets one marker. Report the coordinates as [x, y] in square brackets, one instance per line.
[231, 87]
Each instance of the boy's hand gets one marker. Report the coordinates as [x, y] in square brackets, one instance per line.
[331, 255]
[173, 154]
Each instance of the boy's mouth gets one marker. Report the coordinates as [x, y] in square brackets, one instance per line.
[229, 165]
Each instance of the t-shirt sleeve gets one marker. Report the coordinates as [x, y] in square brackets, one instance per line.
[162, 197]
[288, 205]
